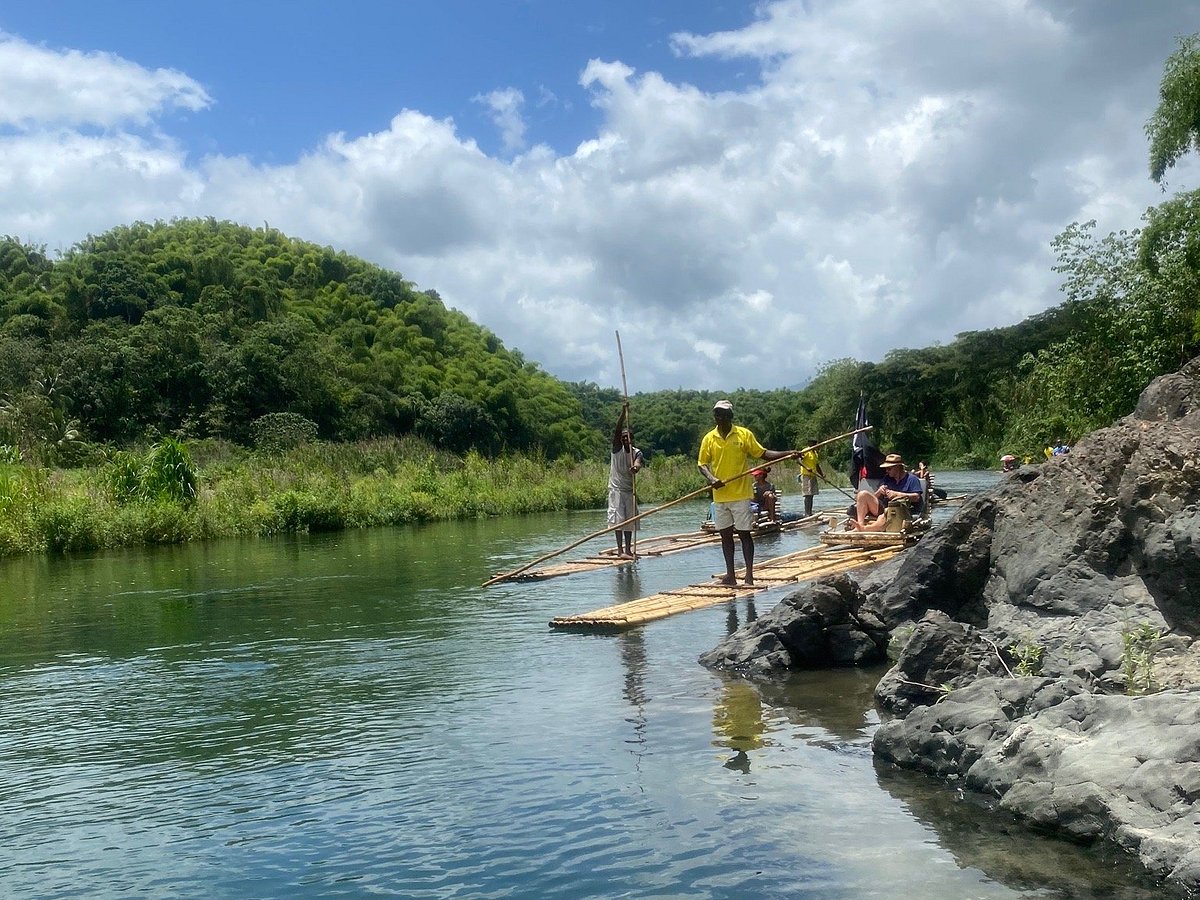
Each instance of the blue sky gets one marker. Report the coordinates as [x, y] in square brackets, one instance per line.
[746, 191]
[284, 73]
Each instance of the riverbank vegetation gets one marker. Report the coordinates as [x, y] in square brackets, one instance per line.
[320, 391]
[170, 493]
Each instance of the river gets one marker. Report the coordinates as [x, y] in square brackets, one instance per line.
[353, 714]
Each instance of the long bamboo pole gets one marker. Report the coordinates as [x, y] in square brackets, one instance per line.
[629, 428]
[696, 493]
[837, 488]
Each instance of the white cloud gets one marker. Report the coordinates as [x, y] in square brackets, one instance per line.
[893, 177]
[71, 88]
[504, 107]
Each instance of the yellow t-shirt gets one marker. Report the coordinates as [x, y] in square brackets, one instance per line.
[808, 464]
[729, 456]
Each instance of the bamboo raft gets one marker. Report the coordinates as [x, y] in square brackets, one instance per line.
[659, 545]
[791, 568]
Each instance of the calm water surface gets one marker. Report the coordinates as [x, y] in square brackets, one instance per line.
[353, 714]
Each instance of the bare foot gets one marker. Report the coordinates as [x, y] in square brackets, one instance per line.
[728, 580]
[749, 580]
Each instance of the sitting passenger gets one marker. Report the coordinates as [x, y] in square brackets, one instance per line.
[765, 495]
[898, 484]
[925, 475]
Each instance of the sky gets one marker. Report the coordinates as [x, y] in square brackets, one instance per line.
[744, 191]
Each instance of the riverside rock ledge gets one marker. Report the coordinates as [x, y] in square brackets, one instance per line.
[1047, 634]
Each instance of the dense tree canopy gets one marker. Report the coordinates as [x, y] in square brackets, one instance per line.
[199, 327]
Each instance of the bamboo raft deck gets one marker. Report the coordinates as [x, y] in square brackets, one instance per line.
[869, 539]
[659, 545]
[791, 568]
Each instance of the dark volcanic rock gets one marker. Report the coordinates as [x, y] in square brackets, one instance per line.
[1092, 766]
[816, 627]
[940, 656]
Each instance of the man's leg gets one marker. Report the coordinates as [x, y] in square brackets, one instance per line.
[808, 501]
[867, 504]
[629, 543]
[727, 549]
[747, 554]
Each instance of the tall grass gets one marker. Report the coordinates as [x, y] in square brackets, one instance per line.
[173, 493]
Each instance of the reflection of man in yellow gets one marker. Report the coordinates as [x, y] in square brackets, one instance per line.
[737, 722]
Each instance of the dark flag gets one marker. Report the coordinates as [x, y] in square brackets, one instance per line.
[865, 459]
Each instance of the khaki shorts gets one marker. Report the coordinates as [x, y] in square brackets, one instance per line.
[735, 513]
[808, 486]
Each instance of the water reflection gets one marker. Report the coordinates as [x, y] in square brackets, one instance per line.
[738, 722]
[632, 644]
[979, 834]
[732, 623]
[834, 708]
[627, 584]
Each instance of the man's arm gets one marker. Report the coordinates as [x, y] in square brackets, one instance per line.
[620, 426]
[893, 494]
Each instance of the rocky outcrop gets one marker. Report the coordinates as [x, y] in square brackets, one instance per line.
[817, 628]
[1088, 765]
[1031, 625]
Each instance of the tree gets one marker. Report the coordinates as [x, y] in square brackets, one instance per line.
[457, 424]
[1174, 129]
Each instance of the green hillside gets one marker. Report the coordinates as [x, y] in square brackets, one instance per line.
[199, 327]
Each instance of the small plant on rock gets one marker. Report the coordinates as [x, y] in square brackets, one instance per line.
[1028, 658]
[897, 640]
[1137, 658]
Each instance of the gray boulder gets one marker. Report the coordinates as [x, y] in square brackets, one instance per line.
[1088, 765]
[819, 626]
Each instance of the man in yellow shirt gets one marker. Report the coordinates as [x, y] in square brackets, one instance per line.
[724, 454]
[810, 468]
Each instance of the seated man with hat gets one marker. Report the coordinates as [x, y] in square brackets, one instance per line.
[898, 484]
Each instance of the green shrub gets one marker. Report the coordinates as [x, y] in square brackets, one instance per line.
[1028, 658]
[123, 476]
[168, 473]
[69, 524]
[11, 541]
[1137, 658]
[278, 432]
[302, 512]
[154, 523]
